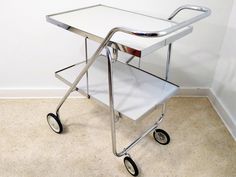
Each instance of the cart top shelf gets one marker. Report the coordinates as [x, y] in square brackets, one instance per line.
[95, 22]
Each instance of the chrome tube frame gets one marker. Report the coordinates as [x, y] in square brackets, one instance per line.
[163, 110]
[206, 12]
[86, 59]
[113, 115]
[104, 44]
[168, 61]
[85, 69]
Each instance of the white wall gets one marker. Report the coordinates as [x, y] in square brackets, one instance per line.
[224, 84]
[32, 49]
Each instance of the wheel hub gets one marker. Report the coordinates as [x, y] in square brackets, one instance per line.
[53, 123]
[129, 167]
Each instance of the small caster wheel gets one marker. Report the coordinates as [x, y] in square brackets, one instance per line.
[161, 136]
[131, 166]
[54, 122]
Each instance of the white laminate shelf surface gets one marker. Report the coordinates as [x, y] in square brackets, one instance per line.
[99, 20]
[136, 93]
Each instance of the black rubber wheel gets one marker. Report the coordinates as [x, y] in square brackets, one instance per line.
[161, 136]
[131, 166]
[55, 123]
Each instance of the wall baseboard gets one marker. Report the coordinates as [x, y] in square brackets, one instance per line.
[184, 92]
[223, 113]
[35, 93]
[218, 106]
[193, 92]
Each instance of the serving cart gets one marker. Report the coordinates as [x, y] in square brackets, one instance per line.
[128, 91]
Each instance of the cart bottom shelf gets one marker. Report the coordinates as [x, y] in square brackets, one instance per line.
[136, 92]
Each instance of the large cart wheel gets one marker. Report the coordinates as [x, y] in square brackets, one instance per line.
[161, 136]
[54, 122]
[131, 166]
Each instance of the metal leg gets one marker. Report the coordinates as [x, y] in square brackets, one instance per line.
[112, 113]
[139, 62]
[115, 54]
[168, 61]
[163, 110]
[86, 59]
[111, 99]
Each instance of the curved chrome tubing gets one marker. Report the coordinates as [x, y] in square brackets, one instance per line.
[206, 12]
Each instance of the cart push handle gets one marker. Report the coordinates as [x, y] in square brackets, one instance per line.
[206, 12]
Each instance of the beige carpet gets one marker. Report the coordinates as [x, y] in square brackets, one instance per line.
[200, 144]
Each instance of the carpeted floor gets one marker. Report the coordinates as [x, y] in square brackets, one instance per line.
[200, 144]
